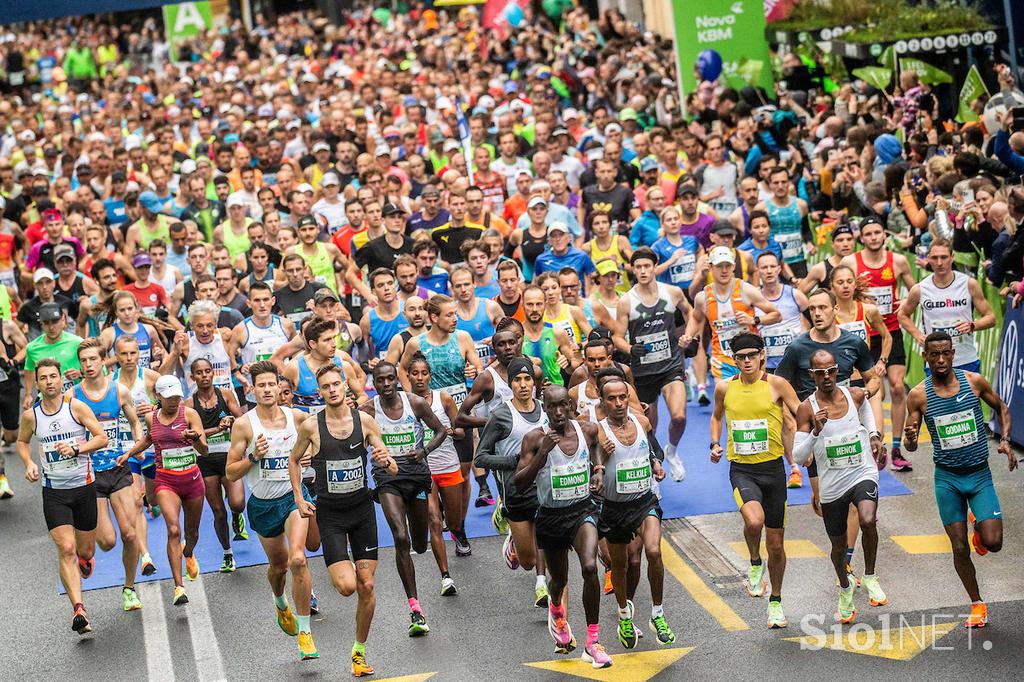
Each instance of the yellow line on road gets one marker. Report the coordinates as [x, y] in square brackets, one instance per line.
[704, 595]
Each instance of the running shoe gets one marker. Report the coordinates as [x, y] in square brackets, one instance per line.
[898, 461]
[418, 625]
[307, 650]
[796, 480]
[5, 488]
[675, 466]
[484, 498]
[851, 577]
[180, 598]
[148, 567]
[632, 612]
[360, 668]
[448, 587]
[192, 568]
[238, 525]
[876, 597]
[508, 550]
[86, 567]
[130, 600]
[981, 549]
[776, 618]
[541, 597]
[314, 604]
[663, 631]
[80, 623]
[228, 565]
[498, 519]
[286, 621]
[627, 633]
[978, 617]
[757, 583]
[462, 547]
[154, 511]
[608, 587]
[691, 384]
[596, 656]
[846, 610]
[560, 631]
[702, 397]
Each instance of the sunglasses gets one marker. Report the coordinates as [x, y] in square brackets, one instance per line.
[744, 357]
[825, 371]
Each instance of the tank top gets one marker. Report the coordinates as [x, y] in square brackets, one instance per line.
[261, 342]
[56, 470]
[268, 479]
[514, 310]
[842, 451]
[443, 460]
[882, 286]
[168, 281]
[306, 394]
[943, 308]
[682, 272]
[778, 336]
[382, 331]
[722, 316]
[5, 303]
[564, 480]
[107, 409]
[340, 464]
[98, 318]
[612, 309]
[753, 422]
[628, 466]
[236, 244]
[655, 327]
[545, 349]
[858, 325]
[564, 321]
[401, 436]
[480, 329]
[141, 335]
[502, 392]
[162, 231]
[321, 264]
[531, 248]
[447, 367]
[583, 401]
[175, 456]
[597, 254]
[785, 229]
[140, 396]
[216, 354]
[512, 444]
[956, 426]
[220, 442]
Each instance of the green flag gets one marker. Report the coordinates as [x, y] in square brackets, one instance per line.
[875, 76]
[926, 72]
[750, 70]
[973, 88]
[901, 135]
[888, 58]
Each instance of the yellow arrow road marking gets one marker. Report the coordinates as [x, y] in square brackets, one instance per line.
[635, 667]
[896, 644]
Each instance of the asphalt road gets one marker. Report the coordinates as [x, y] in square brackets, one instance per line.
[491, 630]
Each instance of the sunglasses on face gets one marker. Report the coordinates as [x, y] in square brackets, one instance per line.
[825, 371]
[744, 357]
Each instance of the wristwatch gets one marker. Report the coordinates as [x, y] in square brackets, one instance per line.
[713, 444]
[249, 456]
[75, 449]
[757, 320]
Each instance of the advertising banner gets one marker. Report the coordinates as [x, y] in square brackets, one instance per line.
[1010, 371]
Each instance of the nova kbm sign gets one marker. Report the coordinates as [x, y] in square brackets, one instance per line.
[733, 28]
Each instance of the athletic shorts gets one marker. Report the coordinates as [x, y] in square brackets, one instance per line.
[898, 354]
[968, 367]
[110, 481]
[956, 491]
[449, 479]
[648, 388]
[464, 448]
[764, 483]
[144, 467]
[74, 507]
[799, 269]
[520, 508]
[835, 512]
[186, 486]
[556, 527]
[342, 525]
[267, 517]
[620, 522]
[10, 408]
[309, 488]
[213, 464]
[409, 489]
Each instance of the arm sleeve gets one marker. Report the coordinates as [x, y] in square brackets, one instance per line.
[803, 445]
[867, 416]
[498, 427]
[656, 448]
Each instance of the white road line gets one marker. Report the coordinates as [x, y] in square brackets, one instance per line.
[154, 626]
[209, 665]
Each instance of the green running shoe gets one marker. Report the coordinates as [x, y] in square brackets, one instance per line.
[846, 610]
[627, 633]
[130, 600]
[239, 527]
[418, 627]
[228, 564]
[663, 631]
[876, 597]
[541, 596]
[756, 581]
[498, 519]
[776, 618]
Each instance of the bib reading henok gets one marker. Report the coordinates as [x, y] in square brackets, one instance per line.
[633, 476]
[844, 451]
[957, 430]
[570, 481]
[177, 459]
[344, 475]
[749, 436]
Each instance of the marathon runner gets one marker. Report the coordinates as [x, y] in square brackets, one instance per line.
[54, 343]
[382, 322]
[415, 312]
[126, 322]
[477, 315]
[203, 341]
[788, 217]
[596, 356]
[553, 349]
[321, 350]
[820, 274]
[13, 344]
[949, 402]
[259, 335]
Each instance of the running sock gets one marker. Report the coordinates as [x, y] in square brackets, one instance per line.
[542, 581]
[359, 648]
[623, 612]
[444, 574]
[755, 562]
[849, 555]
[280, 602]
[414, 605]
[303, 622]
[657, 611]
[592, 633]
[896, 443]
[774, 598]
[80, 605]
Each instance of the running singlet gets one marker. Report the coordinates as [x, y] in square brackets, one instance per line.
[682, 272]
[140, 396]
[447, 367]
[942, 309]
[321, 264]
[340, 464]
[545, 349]
[628, 466]
[500, 394]
[785, 229]
[401, 436]
[215, 353]
[142, 336]
[778, 336]
[564, 479]
[57, 470]
[858, 325]
[107, 409]
[306, 394]
[597, 254]
[564, 321]
[220, 442]
[956, 426]
[480, 329]
[722, 316]
[882, 286]
[443, 460]
[175, 456]
[584, 401]
[655, 327]
[382, 331]
[753, 422]
[268, 479]
[842, 452]
[261, 342]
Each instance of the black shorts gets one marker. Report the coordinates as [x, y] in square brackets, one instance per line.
[309, 485]
[464, 447]
[109, 482]
[409, 489]
[648, 388]
[556, 527]
[344, 525]
[764, 483]
[10, 406]
[898, 353]
[621, 521]
[70, 507]
[799, 269]
[834, 513]
[520, 508]
[213, 465]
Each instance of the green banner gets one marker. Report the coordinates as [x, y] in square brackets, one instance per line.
[875, 76]
[187, 20]
[973, 88]
[926, 72]
[888, 58]
[732, 28]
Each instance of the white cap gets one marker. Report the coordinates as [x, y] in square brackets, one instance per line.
[305, 187]
[330, 179]
[235, 199]
[321, 147]
[43, 273]
[558, 226]
[382, 150]
[131, 142]
[721, 254]
[534, 201]
[188, 166]
[169, 387]
[293, 124]
[443, 103]
[27, 136]
[568, 113]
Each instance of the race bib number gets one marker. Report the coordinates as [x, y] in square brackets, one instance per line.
[633, 476]
[883, 298]
[957, 430]
[178, 459]
[858, 327]
[264, 350]
[68, 385]
[683, 271]
[843, 452]
[274, 469]
[749, 436]
[777, 337]
[949, 326]
[484, 352]
[53, 461]
[658, 347]
[110, 430]
[219, 442]
[399, 443]
[792, 244]
[457, 392]
[726, 328]
[299, 317]
[345, 476]
[571, 481]
[314, 410]
[357, 300]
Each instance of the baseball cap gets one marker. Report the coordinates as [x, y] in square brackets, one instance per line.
[321, 147]
[599, 332]
[648, 163]
[627, 114]
[141, 260]
[63, 251]
[151, 202]
[331, 179]
[305, 187]
[524, 171]
[721, 254]
[235, 199]
[324, 294]
[687, 189]
[392, 209]
[51, 215]
[842, 228]
[41, 274]
[558, 226]
[612, 128]
[518, 366]
[559, 132]
[169, 386]
[570, 113]
[118, 176]
[722, 226]
[536, 201]
[48, 312]
[450, 146]
[306, 220]
[188, 166]
[606, 266]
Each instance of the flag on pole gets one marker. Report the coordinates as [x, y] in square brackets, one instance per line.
[876, 76]
[467, 151]
[888, 58]
[927, 73]
[973, 88]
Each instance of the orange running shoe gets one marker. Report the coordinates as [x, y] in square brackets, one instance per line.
[360, 668]
[608, 589]
[981, 549]
[796, 480]
[978, 617]
[192, 568]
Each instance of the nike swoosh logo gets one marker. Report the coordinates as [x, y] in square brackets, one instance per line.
[960, 398]
[997, 513]
[369, 549]
[353, 447]
[175, 427]
[873, 493]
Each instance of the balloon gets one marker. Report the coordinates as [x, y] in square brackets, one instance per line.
[709, 65]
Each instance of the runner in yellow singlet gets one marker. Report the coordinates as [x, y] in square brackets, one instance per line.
[615, 246]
